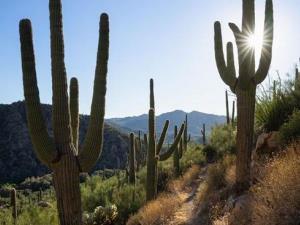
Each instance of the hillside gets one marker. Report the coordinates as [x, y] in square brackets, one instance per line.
[17, 159]
[195, 121]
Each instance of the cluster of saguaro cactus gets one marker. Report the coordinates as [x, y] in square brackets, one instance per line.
[245, 85]
[203, 132]
[154, 153]
[61, 152]
[177, 155]
[132, 159]
[13, 204]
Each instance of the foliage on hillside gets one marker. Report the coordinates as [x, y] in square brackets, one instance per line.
[105, 196]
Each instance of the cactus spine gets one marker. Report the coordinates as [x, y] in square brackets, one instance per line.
[203, 132]
[245, 85]
[13, 204]
[132, 160]
[61, 154]
[153, 150]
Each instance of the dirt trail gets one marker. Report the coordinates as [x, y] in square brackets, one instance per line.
[184, 215]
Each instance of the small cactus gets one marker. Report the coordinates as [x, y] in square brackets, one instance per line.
[203, 132]
[13, 204]
[177, 155]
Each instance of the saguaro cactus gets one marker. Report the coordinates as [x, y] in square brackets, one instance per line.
[154, 149]
[203, 132]
[233, 113]
[13, 204]
[227, 108]
[245, 85]
[132, 159]
[186, 137]
[61, 153]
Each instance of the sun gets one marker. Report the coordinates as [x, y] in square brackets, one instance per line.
[255, 41]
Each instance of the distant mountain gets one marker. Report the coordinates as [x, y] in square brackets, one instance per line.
[195, 121]
[17, 159]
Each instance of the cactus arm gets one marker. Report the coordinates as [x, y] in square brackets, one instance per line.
[74, 111]
[152, 101]
[266, 53]
[180, 150]
[42, 143]
[248, 16]
[162, 137]
[227, 76]
[60, 102]
[146, 141]
[92, 145]
[164, 156]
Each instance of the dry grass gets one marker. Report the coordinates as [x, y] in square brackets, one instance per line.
[277, 196]
[159, 211]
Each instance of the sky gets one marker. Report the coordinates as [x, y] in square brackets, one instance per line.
[168, 40]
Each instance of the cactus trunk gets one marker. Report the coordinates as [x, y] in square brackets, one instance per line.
[176, 157]
[132, 159]
[66, 185]
[245, 130]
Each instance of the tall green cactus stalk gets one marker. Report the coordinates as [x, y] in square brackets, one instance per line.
[203, 132]
[132, 161]
[154, 153]
[297, 85]
[227, 108]
[233, 113]
[176, 156]
[61, 153]
[140, 152]
[245, 85]
[13, 204]
[186, 137]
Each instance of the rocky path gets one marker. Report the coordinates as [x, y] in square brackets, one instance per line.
[184, 215]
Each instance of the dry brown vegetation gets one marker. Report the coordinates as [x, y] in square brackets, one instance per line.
[161, 210]
[275, 199]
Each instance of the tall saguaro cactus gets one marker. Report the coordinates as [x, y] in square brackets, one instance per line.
[154, 153]
[186, 137]
[244, 86]
[61, 153]
[132, 159]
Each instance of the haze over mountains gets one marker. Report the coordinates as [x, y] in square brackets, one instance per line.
[195, 121]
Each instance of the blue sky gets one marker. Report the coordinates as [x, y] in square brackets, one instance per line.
[170, 41]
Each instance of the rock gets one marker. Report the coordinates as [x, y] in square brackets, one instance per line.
[267, 143]
[240, 214]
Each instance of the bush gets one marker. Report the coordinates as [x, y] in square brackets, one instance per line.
[223, 139]
[290, 130]
[277, 196]
[101, 216]
[210, 153]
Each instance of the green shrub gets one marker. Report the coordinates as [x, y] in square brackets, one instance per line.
[290, 130]
[223, 139]
[210, 153]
